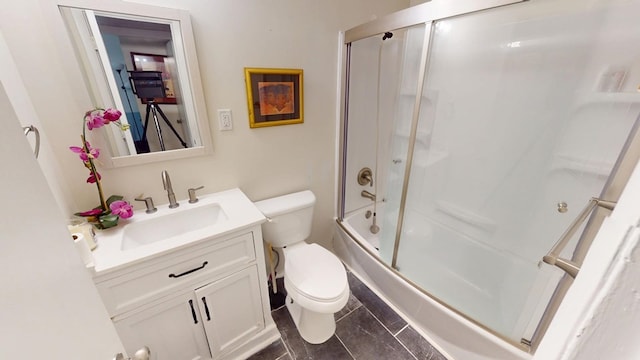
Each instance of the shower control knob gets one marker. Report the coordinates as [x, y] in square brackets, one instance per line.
[563, 207]
[365, 176]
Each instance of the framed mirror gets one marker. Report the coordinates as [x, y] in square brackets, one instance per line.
[141, 60]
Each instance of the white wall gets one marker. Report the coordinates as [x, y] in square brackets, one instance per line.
[230, 35]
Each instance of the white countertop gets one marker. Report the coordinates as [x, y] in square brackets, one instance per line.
[240, 211]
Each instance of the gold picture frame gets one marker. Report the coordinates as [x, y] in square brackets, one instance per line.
[274, 96]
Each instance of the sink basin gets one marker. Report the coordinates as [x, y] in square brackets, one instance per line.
[171, 224]
[145, 236]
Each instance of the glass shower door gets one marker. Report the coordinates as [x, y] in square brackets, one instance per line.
[383, 83]
[520, 112]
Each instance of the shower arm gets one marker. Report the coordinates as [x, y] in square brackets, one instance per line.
[552, 257]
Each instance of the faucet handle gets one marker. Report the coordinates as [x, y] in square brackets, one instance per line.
[192, 194]
[148, 201]
[365, 176]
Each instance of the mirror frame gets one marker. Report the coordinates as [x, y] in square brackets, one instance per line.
[194, 89]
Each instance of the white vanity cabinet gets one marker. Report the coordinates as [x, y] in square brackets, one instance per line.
[205, 301]
[231, 311]
[167, 328]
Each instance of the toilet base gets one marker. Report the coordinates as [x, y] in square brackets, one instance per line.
[314, 327]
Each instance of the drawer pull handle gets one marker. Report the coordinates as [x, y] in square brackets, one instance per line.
[189, 271]
[193, 312]
[206, 308]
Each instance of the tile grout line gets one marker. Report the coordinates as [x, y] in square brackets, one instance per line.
[390, 333]
[286, 347]
[406, 348]
[345, 347]
[401, 330]
[380, 322]
[349, 313]
[403, 345]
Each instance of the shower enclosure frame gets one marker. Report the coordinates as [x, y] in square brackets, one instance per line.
[428, 14]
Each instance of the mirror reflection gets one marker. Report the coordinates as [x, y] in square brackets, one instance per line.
[137, 64]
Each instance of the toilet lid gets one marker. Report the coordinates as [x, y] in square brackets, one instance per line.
[315, 272]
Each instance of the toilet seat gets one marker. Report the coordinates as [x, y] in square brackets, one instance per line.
[316, 274]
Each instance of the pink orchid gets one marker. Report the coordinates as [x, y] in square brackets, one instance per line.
[107, 215]
[92, 177]
[91, 153]
[121, 208]
[95, 120]
[111, 115]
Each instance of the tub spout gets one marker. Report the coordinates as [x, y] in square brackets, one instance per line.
[368, 195]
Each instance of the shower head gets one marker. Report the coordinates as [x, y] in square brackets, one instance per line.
[387, 35]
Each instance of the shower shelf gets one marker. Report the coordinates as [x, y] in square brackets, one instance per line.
[431, 157]
[590, 98]
[405, 133]
[466, 216]
[572, 163]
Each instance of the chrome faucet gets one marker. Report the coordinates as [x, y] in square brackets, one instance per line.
[368, 195]
[166, 182]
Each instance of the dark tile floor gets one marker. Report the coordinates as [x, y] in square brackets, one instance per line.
[366, 329]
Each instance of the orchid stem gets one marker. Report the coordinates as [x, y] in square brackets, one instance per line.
[93, 170]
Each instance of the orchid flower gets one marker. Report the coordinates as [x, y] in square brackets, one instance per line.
[111, 115]
[95, 120]
[91, 153]
[122, 209]
[92, 177]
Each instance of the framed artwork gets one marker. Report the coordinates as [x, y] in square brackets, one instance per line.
[274, 96]
[152, 62]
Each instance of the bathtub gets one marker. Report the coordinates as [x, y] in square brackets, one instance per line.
[453, 335]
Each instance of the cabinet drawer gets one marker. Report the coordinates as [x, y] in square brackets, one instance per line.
[141, 285]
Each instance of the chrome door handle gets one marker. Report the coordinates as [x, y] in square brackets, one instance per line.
[552, 257]
[31, 128]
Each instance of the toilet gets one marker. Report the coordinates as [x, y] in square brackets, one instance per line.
[314, 278]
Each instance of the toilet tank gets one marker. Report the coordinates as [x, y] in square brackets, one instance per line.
[289, 218]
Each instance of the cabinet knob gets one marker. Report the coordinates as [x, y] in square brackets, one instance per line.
[142, 354]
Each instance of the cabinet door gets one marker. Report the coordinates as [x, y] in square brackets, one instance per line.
[171, 329]
[231, 310]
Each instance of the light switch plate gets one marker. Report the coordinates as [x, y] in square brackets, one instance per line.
[225, 120]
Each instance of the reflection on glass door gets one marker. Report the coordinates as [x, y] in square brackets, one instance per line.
[383, 83]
